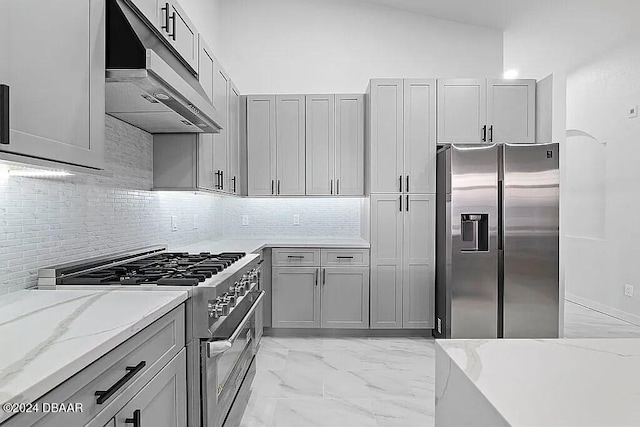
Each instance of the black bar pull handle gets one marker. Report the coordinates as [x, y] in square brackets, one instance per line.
[400, 203]
[484, 133]
[135, 420]
[407, 183]
[344, 257]
[400, 184]
[165, 9]
[324, 276]
[278, 187]
[331, 187]
[316, 274]
[4, 114]
[234, 183]
[338, 186]
[295, 256]
[491, 133]
[407, 203]
[272, 187]
[222, 180]
[103, 396]
[173, 18]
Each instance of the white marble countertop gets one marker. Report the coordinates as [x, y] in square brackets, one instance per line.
[567, 382]
[255, 245]
[48, 336]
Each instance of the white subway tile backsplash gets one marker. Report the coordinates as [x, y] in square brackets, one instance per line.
[51, 221]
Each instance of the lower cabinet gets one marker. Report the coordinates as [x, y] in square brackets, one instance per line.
[162, 402]
[331, 294]
[344, 297]
[296, 297]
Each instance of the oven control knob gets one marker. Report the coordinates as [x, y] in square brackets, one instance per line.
[225, 308]
[211, 308]
[231, 300]
[242, 290]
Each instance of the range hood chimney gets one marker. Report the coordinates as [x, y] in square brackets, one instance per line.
[147, 84]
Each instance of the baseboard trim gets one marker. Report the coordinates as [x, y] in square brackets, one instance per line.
[604, 309]
[356, 333]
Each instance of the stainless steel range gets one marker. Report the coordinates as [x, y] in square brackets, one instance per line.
[224, 315]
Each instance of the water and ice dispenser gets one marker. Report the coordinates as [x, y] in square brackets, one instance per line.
[475, 232]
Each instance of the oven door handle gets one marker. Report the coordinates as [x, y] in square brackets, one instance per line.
[215, 348]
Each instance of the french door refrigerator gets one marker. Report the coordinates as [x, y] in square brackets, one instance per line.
[497, 241]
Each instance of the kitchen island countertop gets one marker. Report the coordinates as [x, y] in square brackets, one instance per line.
[47, 337]
[538, 382]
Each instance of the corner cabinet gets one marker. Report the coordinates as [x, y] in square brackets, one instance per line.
[486, 111]
[56, 93]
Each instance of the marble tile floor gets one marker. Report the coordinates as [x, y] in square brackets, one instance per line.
[367, 382]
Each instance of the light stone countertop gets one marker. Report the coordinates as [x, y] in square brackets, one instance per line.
[48, 336]
[255, 245]
[566, 382]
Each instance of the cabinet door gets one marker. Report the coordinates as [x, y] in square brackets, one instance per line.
[387, 144]
[345, 297]
[296, 297]
[420, 135]
[150, 10]
[349, 174]
[320, 145]
[290, 145]
[233, 167]
[56, 79]
[462, 110]
[511, 111]
[207, 66]
[221, 140]
[178, 29]
[163, 401]
[261, 145]
[386, 260]
[206, 174]
[418, 287]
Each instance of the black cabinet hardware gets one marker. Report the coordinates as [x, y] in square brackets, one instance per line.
[400, 184]
[103, 396]
[484, 133]
[337, 186]
[165, 9]
[491, 133]
[344, 257]
[234, 183]
[272, 187]
[331, 185]
[173, 18]
[295, 256]
[4, 114]
[400, 203]
[407, 183]
[135, 420]
[324, 276]
[278, 187]
[407, 203]
[316, 274]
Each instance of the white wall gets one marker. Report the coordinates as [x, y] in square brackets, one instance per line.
[603, 195]
[46, 222]
[306, 46]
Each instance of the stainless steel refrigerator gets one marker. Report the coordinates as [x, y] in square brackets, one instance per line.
[497, 241]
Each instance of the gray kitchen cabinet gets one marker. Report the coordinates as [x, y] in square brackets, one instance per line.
[420, 136]
[344, 298]
[418, 262]
[207, 66]
[349, 140]
[261, 145]
[162, 402]
[402, 261]
[176, 27]
[295, 297]
[320, 145]
[221, 140]
[402, 135]
[386, 145]
[387, 223]
[485, 111]
[290, 145]
[511, 111]
[57, 93]
[233, 167]
[462, 110]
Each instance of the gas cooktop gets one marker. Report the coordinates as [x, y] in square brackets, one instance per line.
[163, 269]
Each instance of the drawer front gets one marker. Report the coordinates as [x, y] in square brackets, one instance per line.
[344, 257]
[132, 365]
[292, 257]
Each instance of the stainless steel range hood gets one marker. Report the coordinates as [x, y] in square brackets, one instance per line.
[147, 84]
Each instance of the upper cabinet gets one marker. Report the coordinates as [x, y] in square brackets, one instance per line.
[335, 145]
[484, 111]
[305, 145]
[401, 135]
[233, 166]
[221, 140]
[56, 94]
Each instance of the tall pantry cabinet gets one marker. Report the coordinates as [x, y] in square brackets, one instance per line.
[400, 178]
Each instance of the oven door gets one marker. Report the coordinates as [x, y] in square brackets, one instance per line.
[225, 364]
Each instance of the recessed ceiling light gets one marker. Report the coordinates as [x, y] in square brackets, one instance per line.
[511, 74]
[161, 96]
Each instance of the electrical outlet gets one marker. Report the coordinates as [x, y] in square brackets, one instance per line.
[195, 222]
[628, 290]
[245, 219]
[174, 223]
[633, 111]
[296, 220]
